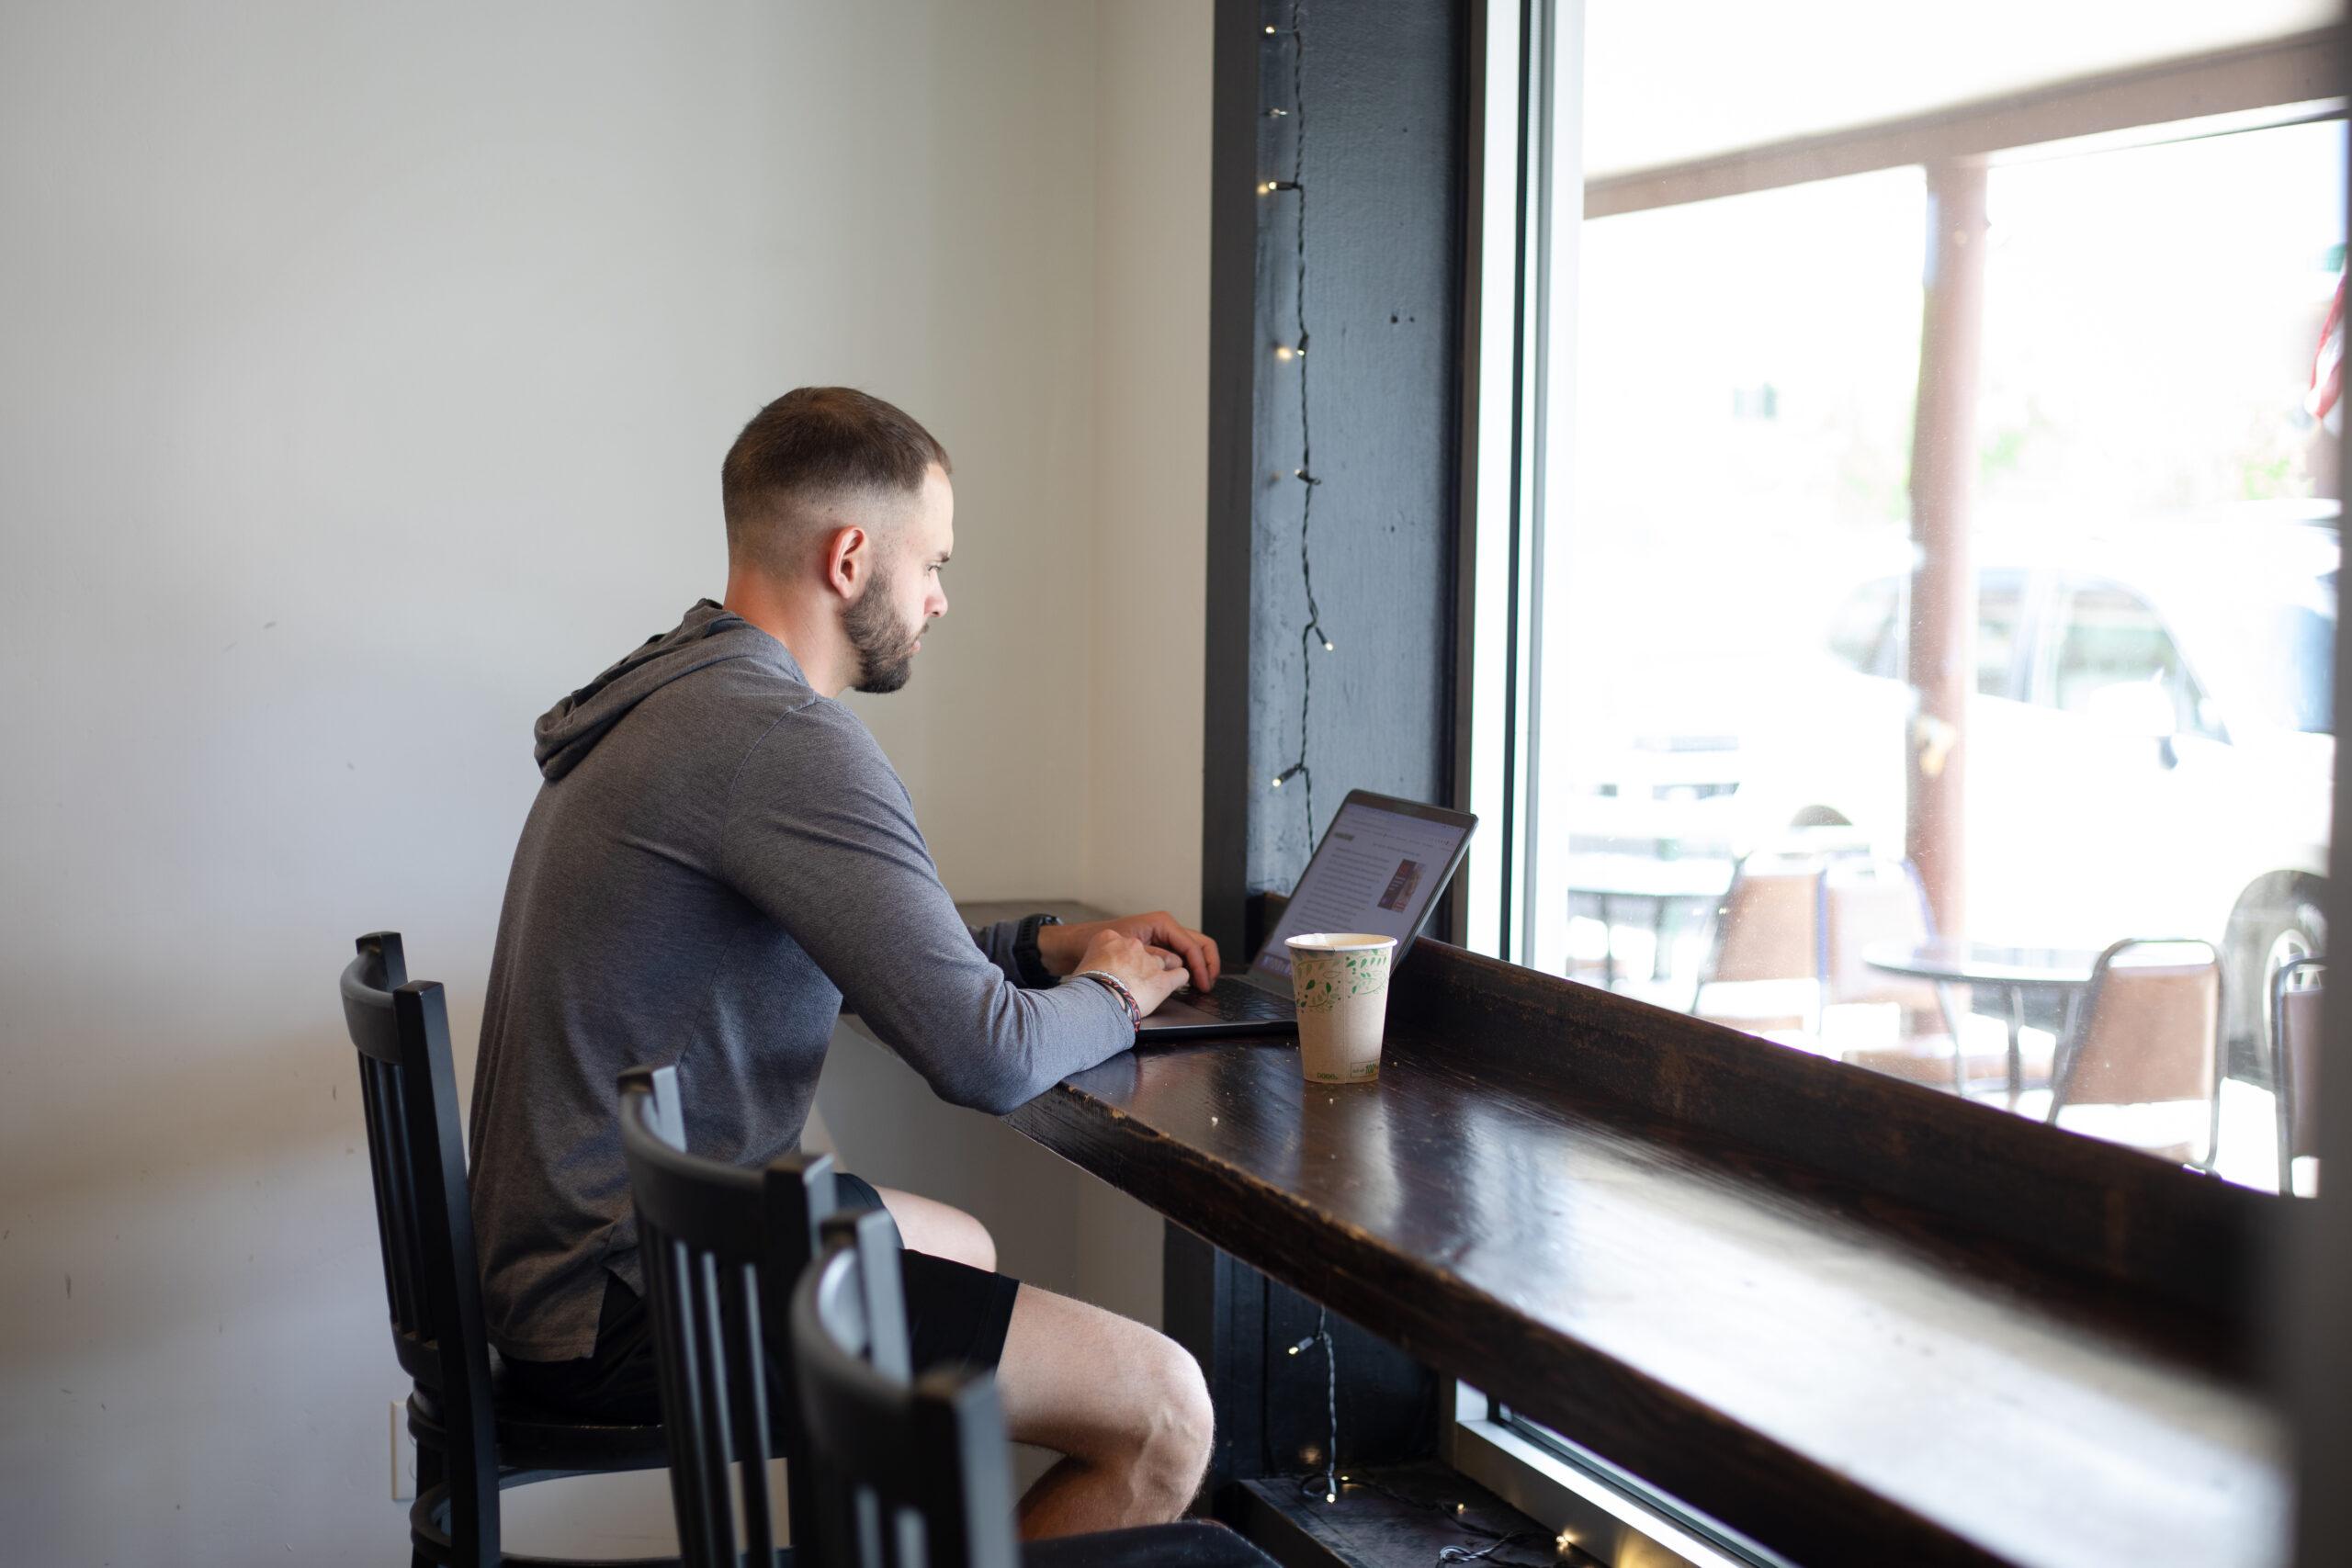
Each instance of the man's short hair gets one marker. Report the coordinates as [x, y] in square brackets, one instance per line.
[812, 444]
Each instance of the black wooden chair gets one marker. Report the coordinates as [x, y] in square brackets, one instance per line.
[916, 1474]
[471, 1439]
[721, 1246]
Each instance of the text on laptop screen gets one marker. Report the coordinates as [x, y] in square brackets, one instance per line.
[1375, 870]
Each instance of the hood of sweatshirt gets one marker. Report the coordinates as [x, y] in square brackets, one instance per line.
[709, 634]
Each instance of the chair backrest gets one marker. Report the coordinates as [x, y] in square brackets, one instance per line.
[2295, 1002]
[408, 1093]
[2149, 1028]
[1865, 901]
[722, 1245]
[1767, 926]
[910, 1474]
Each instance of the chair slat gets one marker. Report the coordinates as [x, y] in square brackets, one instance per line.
[707, 1319]
[387, 1245]
[678, 1367]
[747, 1357]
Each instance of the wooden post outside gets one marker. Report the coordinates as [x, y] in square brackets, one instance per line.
[1942, 643]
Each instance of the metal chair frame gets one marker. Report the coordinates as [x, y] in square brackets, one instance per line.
[2282, 1067]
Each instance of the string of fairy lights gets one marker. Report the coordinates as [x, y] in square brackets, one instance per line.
[1294, 353]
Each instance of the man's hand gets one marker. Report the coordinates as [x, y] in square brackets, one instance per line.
[1063, 947]
[1150, 974]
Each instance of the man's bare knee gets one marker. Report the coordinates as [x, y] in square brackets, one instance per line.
[1177, 1442]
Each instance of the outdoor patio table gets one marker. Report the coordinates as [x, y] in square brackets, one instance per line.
[2016, 971]
[1665, 886]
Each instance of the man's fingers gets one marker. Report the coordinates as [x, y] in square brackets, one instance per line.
[1200, 956]
[1195, 950]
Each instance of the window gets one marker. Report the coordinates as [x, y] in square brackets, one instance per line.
[2117, 664]
[1603, 1511]
[1914, 431]
[1864, 637]
[2000, 620]
[1926, 482]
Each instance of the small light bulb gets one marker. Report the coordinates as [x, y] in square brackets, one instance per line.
[1269, 29]
[1265, 187]
[1284, 351]
[1331, 1496]
[1564, 1540]
[1277, 114]
[1294, 1349]
[1457, 1507]
[1327, 646]
[1278, 784]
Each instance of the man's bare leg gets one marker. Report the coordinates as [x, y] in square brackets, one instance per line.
[926, 1225]
[1127, 1405]
[1124, 1404]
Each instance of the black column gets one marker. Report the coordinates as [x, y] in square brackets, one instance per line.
[1373, 127]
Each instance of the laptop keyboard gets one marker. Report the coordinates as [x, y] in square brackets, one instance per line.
[1237, 1002]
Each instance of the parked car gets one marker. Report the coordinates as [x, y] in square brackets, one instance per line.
[2148, 752]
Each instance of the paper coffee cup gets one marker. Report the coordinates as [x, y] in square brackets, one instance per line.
[1339, 980]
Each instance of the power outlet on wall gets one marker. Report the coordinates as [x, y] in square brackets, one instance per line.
[403, 1454]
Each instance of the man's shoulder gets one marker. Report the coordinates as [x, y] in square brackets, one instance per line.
[797, 729]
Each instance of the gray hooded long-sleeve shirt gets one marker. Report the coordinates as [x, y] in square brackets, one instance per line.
[718, 858]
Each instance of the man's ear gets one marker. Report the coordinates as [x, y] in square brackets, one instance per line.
[849, 560]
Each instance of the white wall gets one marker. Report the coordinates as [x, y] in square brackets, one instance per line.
[1152, 311]
[364, 374]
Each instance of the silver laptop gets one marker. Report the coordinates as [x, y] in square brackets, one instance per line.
[1381, 866]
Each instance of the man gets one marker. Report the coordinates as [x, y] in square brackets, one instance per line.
[718, 858]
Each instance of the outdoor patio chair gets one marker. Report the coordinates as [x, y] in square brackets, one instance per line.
[2295, 1005]
[2143, 1059]
[1763, 971]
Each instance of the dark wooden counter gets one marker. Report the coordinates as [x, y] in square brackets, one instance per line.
[1844, 1382]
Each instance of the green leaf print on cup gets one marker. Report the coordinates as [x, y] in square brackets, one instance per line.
[1324, 980]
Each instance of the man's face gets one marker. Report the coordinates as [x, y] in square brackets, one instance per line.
[885, 623]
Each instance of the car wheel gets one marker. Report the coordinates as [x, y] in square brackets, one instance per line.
[2278, 922]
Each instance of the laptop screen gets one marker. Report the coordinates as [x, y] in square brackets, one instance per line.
[1376, 870]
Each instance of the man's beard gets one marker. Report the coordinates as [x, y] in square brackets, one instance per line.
[885, 650]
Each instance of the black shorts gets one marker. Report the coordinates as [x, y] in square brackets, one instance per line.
[956, 1316]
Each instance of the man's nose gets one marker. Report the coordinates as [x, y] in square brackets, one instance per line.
[937, 605]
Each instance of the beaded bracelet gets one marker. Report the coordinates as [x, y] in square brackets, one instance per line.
[1119, 989]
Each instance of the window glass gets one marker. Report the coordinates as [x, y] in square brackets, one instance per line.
[1863, 635]
[2000, 623]
[2115, 661]
[1800, 799]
